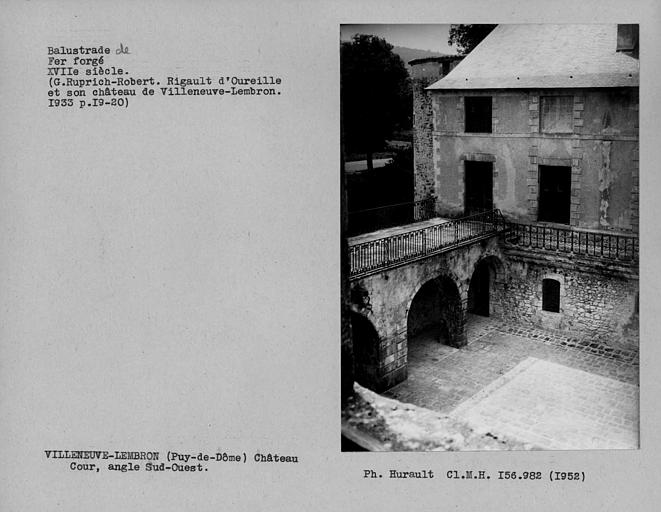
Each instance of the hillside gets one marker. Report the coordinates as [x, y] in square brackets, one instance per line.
[408, 54]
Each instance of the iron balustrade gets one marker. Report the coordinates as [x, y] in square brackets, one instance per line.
[390, 251]
[373, 219]
[549, 238]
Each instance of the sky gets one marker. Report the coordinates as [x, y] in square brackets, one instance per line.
[422, 37]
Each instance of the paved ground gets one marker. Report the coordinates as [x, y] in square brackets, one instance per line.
[396, 230]
[541, 387]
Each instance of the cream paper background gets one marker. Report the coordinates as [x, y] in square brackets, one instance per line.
[169, 273]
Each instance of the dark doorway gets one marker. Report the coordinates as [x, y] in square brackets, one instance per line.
[551, 295]
[479, 186]
[554, 194]
[478, 291]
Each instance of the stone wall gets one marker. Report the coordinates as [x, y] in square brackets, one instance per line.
[602, 306]
[423, 165]
[425, 72]
[601, 149]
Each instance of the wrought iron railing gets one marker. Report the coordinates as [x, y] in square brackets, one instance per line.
[373, 219]
[382, 253]
[567, 240]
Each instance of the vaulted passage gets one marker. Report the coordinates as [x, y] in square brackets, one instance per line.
[435, 314]
[425, 315]
[479, 290]
[486, 288]
[365, 351]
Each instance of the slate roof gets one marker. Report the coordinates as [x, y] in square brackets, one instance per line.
[544, 56]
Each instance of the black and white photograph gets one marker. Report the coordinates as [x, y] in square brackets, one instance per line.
[490, 215]
[330, 256]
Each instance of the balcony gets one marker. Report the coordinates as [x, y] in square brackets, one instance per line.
[602, 245]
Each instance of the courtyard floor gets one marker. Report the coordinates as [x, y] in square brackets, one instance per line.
[538, 387]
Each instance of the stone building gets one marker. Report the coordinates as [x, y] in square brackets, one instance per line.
[528, 148]
[425, 72]
[541, 122]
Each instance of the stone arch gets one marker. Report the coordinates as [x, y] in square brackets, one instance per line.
[437, 305]
[365, 351]
[485, 287]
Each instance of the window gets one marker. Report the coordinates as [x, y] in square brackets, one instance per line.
[478, 114]
[446, 67]
[554, 194]
[627, 38]
[551, 295]
[557, 114]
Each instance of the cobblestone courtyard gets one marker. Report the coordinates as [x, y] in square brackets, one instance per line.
[538, 387]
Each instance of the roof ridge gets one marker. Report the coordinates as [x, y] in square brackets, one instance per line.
[544, 55]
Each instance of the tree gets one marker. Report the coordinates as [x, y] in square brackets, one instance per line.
[467, 37]
[375, 92]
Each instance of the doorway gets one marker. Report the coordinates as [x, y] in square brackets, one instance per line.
[479, 186]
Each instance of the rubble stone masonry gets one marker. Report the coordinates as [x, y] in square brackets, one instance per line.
[425, 72]
[602, 306]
